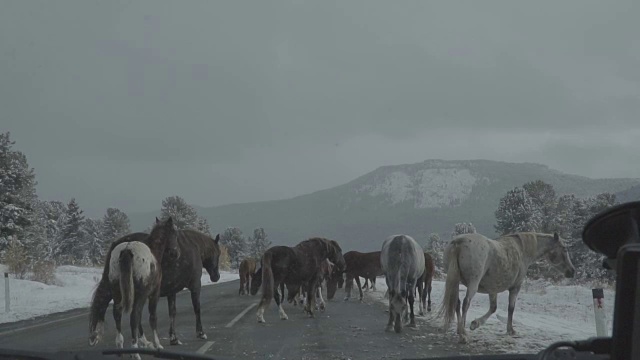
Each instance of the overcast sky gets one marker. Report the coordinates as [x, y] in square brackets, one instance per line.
[122, 103]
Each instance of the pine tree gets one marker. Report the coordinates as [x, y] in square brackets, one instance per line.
[115, 224]
[95, 246]
[544, 198]
[517, 212]
[70, 246]
[17, 193]
[260, 243]
[55, 215]
[236, 245]
[184, 215]
[463, 228]
[202, 225]
[435, 247]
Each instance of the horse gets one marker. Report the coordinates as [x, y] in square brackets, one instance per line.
[402, 262]
[135, 274]
[325, 273]
[197, 251]
[295, 265]
[334, 282]
[366, 265]
[492, 266]
[427, 279]
[247, 269]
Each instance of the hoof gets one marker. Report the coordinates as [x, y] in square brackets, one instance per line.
[421, 313]
[346, 299]
[94, 339]
[202, 335]
[261, 320]
[323, 307]
[175, 341]
[463, 339]
[284, 316]
[474, 325]
[429, 309]
[511, 332]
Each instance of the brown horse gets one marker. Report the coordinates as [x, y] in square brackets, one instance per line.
[135, 274]
[197, 251]
[427, 279]
[366, 265]
[295, 265]
[247, 268]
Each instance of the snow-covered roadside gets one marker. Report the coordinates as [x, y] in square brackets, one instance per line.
[544, 314]
[74, 288]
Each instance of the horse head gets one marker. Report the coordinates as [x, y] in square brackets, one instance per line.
[398, 307]
[164, 235]
[212, 261]
[335, 255]
[557, 254]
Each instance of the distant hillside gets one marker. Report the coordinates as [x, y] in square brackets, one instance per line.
[631, 194]
[415, 199]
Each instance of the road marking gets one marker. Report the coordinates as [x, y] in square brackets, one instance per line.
[40, 325]
[235, 319]
[205, 347]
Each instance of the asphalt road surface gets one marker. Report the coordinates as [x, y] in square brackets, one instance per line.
[346, 330]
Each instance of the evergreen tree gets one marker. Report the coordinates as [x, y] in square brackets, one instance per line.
[463, 228]
[17, 193]
[94, 249]
[70, 246]
[517, 212]
[260, 243]
[184, 215]
[544, 198]
[236, 245]
[202, 225]
[115, 224]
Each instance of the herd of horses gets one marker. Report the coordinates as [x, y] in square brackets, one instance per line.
[141, 267]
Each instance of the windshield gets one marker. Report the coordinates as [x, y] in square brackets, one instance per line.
[311, 179]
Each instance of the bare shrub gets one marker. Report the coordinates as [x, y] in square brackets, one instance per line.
[44, 271]
[225, 260]
[16, 259]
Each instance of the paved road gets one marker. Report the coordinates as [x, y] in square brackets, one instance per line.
[346, 330]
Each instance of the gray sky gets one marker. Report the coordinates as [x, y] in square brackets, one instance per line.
[123, 103]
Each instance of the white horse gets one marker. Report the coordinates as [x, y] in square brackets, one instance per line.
[493, 266]
[402, 261]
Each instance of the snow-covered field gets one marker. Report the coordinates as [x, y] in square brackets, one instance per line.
[74, 288]
[544, 314]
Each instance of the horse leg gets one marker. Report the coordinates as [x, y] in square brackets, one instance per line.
[513, 294]
[493, 306]
[373, 284]
[195, 301]
[134, 322]
[429, 294]
[359, 287]
[391, 317]
[310, 299]
[319, 294]
[153, 318]
[241, 290]
[420, 295]
[348, 284]
[277, 298]
[471, 292]
[248, 284]
[366, 284]
[171, 301]
[117, 318]
[412, 323]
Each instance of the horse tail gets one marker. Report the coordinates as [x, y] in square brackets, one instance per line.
[267, 280]
[126, 280]
[450, 299]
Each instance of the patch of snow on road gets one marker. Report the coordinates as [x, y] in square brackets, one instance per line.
[74, 289]
[544, 314]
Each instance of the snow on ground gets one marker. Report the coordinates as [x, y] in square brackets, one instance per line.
[74, 288]
[544, 314]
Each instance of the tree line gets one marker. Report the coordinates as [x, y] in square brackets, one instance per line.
[37, 235]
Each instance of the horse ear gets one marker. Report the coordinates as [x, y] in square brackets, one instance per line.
[217, 239]
[157, 220]
[556, 237]
[169, 221]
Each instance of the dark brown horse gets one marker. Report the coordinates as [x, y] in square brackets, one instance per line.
[247, 269]
[427, 279]
[298, 265]
[366, 265]
[197, 251]
[135, 275]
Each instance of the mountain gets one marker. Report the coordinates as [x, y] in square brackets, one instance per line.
[414, 199]
[630, 194]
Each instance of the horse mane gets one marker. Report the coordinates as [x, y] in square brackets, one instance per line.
[528, 242]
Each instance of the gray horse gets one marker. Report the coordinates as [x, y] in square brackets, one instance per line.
[402, 261]
[493, 266]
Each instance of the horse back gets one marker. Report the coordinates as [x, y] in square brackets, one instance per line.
[363, 264]
[402, 260]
